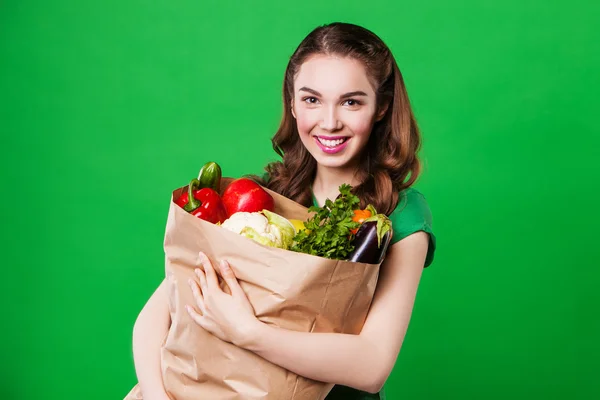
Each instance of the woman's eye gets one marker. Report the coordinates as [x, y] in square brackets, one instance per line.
[310, 100]
[352, 102]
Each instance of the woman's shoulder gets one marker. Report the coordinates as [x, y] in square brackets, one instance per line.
[413, 214]
[410, 201]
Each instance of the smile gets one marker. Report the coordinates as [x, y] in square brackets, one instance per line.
[331, 145]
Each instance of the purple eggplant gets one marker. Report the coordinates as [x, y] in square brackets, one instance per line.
[372, 240]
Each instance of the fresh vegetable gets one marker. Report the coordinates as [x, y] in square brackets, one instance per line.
[210, 176]
[245, 195]
[299, 225]
[203, 203]
[182, 200]
[361, 215]
[264, 227]
[329, 231]
[372, 240]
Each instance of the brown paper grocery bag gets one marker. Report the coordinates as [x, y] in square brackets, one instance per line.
[287, 289]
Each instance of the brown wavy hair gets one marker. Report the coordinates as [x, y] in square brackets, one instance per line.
[389, 162]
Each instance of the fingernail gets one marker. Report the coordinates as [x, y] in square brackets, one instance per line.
[190, 281]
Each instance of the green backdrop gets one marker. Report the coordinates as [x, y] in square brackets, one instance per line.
[107, 106]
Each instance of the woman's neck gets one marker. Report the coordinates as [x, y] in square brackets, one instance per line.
[328, 180]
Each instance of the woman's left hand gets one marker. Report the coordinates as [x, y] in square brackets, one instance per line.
[230, 317]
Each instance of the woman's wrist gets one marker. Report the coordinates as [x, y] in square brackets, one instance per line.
[250, 335]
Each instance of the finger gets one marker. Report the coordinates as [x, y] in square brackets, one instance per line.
[195, 316]
[202, 278]
[197, 295]
[212, 282]
[231, 280]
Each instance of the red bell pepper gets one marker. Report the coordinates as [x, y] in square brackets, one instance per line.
[205, 203]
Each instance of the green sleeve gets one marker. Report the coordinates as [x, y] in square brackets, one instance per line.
[412, 214]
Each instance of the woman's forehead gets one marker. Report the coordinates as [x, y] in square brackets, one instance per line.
[333, 76]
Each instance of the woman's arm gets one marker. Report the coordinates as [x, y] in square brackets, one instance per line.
[149, 330]
[361, 361]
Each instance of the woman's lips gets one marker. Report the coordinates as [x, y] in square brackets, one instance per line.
[332, 144]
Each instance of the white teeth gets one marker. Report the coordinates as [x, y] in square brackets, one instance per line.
[331, 143]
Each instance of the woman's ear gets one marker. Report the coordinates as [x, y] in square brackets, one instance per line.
[381, 112]
[292, 108]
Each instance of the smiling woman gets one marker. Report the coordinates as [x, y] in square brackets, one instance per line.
[347, 120]
[334, 116]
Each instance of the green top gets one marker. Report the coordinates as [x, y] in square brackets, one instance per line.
[412, 214]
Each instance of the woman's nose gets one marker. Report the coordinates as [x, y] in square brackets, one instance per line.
[330, 120]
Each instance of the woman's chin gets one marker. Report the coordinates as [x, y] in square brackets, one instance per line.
[333, 162]
[340, 160]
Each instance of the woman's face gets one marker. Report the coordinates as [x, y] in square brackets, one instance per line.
[334, 106]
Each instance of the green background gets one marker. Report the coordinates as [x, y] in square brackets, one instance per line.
[107, 106]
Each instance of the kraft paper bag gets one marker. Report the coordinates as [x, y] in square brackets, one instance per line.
[287, 289]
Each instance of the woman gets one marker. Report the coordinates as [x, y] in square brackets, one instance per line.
[347, 119]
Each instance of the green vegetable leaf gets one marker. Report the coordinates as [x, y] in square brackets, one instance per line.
[329, 229]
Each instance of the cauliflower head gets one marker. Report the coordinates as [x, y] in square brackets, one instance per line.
[265, 227]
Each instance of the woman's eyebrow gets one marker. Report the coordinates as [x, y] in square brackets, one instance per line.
[353, 94]
[344, 96]
[309, 90]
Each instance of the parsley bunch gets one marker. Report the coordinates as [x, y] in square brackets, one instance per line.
[327, 232]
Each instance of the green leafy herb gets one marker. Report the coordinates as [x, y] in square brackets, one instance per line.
[327, 232]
